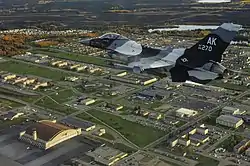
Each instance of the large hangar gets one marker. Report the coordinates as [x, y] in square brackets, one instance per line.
[46, 134]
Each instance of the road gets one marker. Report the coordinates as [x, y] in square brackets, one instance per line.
[202, 117]
[126, 141]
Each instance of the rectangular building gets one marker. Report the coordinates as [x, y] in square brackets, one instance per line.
[195, 143]
[242, 146]
[230, 111]
[11, 115]
[199, 138]
[88, 101]
[122, 74]
[154, 93]
[83, 124]
[184, 142]
[148, 81]
[173, 142]
[99, 132]
[8, 76]
[202, 129]
[190, 131]
[229, 121]
[125, 79]
[155, 115]
[107, 155]
[183, 112]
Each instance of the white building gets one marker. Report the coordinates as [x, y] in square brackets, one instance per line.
[183, 112]
[230, 111]
[202, 129]
[229, 121]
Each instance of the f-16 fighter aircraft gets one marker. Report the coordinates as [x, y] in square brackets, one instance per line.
[200, 63]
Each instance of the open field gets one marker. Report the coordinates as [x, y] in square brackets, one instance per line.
[63, 96]
[24, 69]
[46, 102]
[14, 94]
[205, 161]
[229, 143]
[86, 117]
[108, 136]
[140, 135]
[8, 103]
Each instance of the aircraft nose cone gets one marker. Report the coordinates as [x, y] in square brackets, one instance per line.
[85, 42]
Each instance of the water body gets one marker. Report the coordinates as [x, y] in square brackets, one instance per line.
[184, 28]
[213, 1]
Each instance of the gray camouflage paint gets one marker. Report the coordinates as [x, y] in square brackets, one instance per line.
[140, 58]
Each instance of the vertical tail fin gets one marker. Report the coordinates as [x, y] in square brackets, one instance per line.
[211, 47]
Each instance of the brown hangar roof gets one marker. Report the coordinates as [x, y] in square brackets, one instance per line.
[46, 129]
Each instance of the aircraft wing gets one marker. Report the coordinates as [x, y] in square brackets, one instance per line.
[165, 58]
[128, 47]
[150, 64]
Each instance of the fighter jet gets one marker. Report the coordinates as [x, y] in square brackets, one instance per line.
[201, 63]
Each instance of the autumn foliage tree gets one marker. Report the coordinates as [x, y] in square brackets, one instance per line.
[12, 44]
[46, 43]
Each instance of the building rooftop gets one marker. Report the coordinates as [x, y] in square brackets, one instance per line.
[106, 155]
[10, 115]
[46, 129]
[202, 127]
[154, 92]
[77, 123]
[186, 111]
[229, 118]
[188, 130]
[242, 143]
[198, 136]
[230, 108]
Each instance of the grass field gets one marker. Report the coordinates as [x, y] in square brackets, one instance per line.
[211, 120]
[138, 134]
[63, 96]
[25, 69]
[17, 95]
[8, 103]
[86, 117]
[229, 143]
[48, 103]
[71, 56]
[205, 161]
[108, 136]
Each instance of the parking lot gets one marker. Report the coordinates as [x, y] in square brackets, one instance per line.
[28, 155]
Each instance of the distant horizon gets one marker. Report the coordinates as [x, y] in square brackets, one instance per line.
[213, 1]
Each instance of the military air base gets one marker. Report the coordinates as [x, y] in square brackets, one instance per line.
[95, 83]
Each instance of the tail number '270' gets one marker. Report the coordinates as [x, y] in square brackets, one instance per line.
[205, 47]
